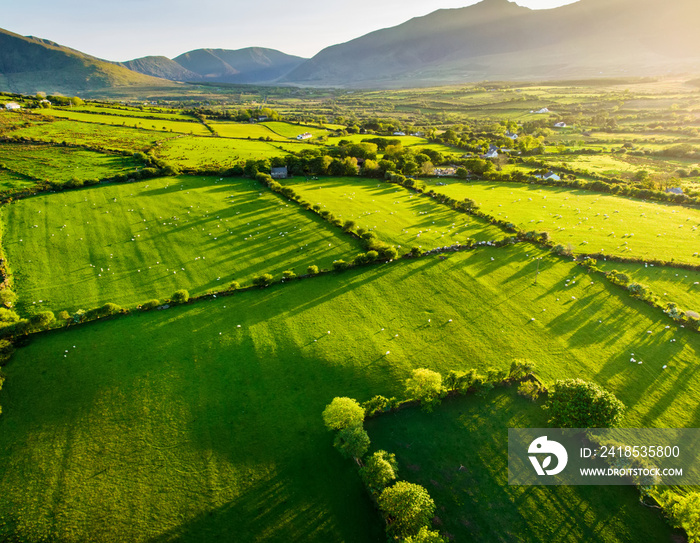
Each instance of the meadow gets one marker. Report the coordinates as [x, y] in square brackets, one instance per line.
[181, 425]
[62, 164]
[194, 152]
[588, 221]
[92, 134]
[291, 131]
[244, 130]
[460, 454]
[130, 243]
[190, 126]
[10, 182]
[396, 215]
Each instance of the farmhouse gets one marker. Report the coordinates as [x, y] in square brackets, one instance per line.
[305, 136]
[560, 125]
[12, 106]
[512, 136]
[399, 133]
[492, 152]
[549, 176]
[543, 110]
[279, 173]
[675, 190]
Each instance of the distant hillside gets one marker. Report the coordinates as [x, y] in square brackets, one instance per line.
[29, 65]
[497, 39]
[249, 65]
[161, 67]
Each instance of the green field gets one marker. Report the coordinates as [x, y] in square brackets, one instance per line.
[130, 243]
[460, 454]
[291, 131]
[10, 181]
[406, 141]
[398, 216]
[164, 125]
[178, 425]
[130, 112]
[110, 137]
[244, 130]
[591, 222]
[61, 164]
[194, 152]
[670, 284]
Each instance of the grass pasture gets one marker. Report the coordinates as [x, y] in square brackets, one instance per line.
[194, 152]
[460, 454]
[291, 131]
[50, 163]
[398, 216]
[130, 243]
[179, 425]
[161, 125]
[591, 222]
[98, 135]
[10, 181]
[244, 130]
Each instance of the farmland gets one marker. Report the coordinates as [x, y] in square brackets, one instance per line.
[192, 421]
[397, 216]
[182, 388]
[127, 244]
[589, 221]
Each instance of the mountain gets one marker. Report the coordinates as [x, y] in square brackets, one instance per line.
[249, 65]
[497, 39]
[29, 65]
[161, 67]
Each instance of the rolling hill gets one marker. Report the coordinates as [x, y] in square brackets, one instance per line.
[163, 67]
[497, 39]
[29, 65]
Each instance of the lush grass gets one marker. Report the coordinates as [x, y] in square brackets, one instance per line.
[49, 163]
[131, 112]
[244, 130]
[129, 243]
[589, 221]
[291, 131]
[178, 425]
[10, 181]
[109, 137]
[162, 125]
[396, 215]
[672, 284]
[460, 454]
[194, 152]
[406, 141]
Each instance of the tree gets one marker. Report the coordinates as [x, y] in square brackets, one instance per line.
[7, 317]
[685, 513]
[425, 536]
[7, 298]
[312, 270]
[519, 368]
[379, 471]
[352, 442]
[425, 385]
[288, 274]
[575, 403]
[343, 412]
[180, 297]
[407, 507]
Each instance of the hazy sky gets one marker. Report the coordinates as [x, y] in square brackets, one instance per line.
[127, 29]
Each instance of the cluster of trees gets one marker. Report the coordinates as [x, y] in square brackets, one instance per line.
[574, 403]
[407, 508]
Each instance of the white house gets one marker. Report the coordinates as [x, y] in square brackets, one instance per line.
[511, 136]
[550, 175]
[399, 133]
[543, 110]
[305, 136]
[492, 152]
[560, 125]
[12, 106]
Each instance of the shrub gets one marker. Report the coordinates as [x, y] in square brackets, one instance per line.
[180, 297]
[685, 513]
[575, 403]
[262, 280]
[388, 253]
[349, 225]
[425, 536]
[425, 385]
[339, 265]
[41, 321]
[416, 252]
[530, 390]
[288, 274]
[352, 442]
[343, 412]
[312, 270]
[103, 311]
[379, 471]
[6, 351]
[64, 316]
[376, 405]
[519, 368]
[407, 507]
[235, 285]
[150, 304]
[7, 298]
[7, 317]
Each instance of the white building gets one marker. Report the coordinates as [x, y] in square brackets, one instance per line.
[560, 125]
[399, 133]
[305, 136]
[12, 106]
